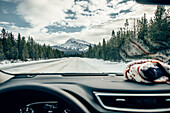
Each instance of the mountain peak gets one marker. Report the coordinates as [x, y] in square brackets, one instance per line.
[73, 44]
[73, 40]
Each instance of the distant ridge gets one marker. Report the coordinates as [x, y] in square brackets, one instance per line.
[73, 46]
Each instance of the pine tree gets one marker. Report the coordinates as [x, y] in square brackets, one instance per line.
[7, 44]
[12, 40]
[159, 29]
[99, 51]
[36, 52]
[1, 51]
[143, 28]
[126, 25]
[19, 46]
[134, 29]
[113, 33]
[24, 49]
[40, 52]
[104, 49]
[3, 33]
[32, 49]
[13, 53]
[49, 53]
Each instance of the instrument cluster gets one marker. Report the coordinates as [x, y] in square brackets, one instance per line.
[45, 107]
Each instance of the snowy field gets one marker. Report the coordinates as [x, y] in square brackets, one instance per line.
[64, 65]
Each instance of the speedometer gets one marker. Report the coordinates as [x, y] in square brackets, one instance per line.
[45, 107]
[26, 110]
[41, 107]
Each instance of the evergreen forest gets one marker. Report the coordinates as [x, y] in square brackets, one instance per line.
[12, 48]
[155, 30]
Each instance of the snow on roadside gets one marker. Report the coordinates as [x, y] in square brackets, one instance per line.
[7, 63]
[106, 66]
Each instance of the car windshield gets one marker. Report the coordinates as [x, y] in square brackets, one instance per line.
[81, 36]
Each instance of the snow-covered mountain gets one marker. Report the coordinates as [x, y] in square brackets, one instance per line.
[73, 46]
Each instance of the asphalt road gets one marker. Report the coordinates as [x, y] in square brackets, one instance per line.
[66, 65]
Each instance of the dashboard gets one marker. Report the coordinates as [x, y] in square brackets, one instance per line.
[75, 94]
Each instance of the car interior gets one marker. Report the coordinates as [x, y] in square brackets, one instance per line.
[81, 92]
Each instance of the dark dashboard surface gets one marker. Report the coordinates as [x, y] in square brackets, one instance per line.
[83, 87]
[93, 82]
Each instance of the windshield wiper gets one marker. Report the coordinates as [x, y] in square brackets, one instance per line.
[62, 74]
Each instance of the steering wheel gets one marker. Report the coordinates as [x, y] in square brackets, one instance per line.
[11, 97]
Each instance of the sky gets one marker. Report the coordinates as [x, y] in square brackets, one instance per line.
[55, 21]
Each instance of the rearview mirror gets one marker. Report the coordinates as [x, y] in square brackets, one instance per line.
[156, 2]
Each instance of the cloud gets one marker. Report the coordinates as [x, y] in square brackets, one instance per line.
[5, 11]
[43, 12]
[5, 23]
[55, 21]
[53, 29]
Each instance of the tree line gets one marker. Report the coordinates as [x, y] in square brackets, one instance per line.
[14, 49]
[154, 30]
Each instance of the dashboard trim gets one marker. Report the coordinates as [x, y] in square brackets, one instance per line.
[98, 94]
[43, 102]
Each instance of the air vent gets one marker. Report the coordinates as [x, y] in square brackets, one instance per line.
[134, 102]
